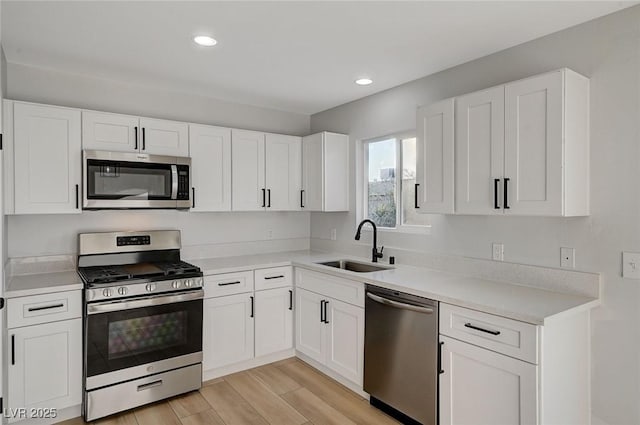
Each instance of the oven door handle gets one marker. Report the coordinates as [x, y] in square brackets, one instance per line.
[174, 181]
[106, 307]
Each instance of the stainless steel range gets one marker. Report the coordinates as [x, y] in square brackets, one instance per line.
[142, 321]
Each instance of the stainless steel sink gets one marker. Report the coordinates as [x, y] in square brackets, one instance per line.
[354, 266]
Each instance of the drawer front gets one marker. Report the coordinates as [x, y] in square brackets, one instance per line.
[35, 309]
[345, 290]
[273, 277]
[219, 285]
[496, 333]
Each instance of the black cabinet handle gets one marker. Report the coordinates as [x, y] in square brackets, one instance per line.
[290, 299]
[193, 197]
[440, 370]
[144, 139]
[268, 198]
[45, 307]
[496, 182]
[302, 198]
[274, 277]
[470, 326]
[415, 196]
[236, 282]
[77, 197]
[326, 303]
[13, 349]
[322, 311]
[506, 193]
[264, 198]
[135, 129]
[252, 307]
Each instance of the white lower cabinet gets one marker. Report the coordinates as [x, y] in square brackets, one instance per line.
[228, 330]
[45, 365]
[482, 387]
[273, 320]
[331, 332]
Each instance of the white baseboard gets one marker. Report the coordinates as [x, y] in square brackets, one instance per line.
[249, 364]
[356, 388]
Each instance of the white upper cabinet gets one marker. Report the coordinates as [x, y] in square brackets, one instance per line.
[479, 151]
[126, 133]
[283, 156]
[46, 159]
[210, 149]
[325, 172]
[248, 188]
[434, 158]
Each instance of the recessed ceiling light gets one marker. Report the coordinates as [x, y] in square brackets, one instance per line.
[364, 81]
[205, 40]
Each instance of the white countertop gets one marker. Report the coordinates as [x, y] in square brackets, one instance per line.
[42, 283]
[524, 303]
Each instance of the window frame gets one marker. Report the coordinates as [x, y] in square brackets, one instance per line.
[362, 170]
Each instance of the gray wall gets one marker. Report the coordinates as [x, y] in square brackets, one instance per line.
[608, 51]
[56, 234]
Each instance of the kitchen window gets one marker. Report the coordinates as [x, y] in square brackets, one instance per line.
[388, 183]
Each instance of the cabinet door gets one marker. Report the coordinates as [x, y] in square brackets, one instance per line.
[335, 163]
[310, 330]
[283, 178]
[533, 145]
[434, 158]
[312, 172]
[480, 152]
[210, 149]
[227, 330]
[247, 180]
[161, 137]
[45, 365]
[345, 339]
[481, 387]
[274, 320]
[47, 155]
[110, 132]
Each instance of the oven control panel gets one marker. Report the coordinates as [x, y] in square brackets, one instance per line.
[133, 240]
[125, 291]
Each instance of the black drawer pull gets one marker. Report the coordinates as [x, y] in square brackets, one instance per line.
[252, 308]
[13, 349]
[302, 198]
[326, 303]
[496, 182]
[274, 277]
[136, 139]
[440, 370]
[268, 198]
[290, 299]
[193, 196]
[322, 311]
[144, 139]
[45, 307]
[415, 196]
[264, 198]
[236, 282]
[470, 326]
[506, 193]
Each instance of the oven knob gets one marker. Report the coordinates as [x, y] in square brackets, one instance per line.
[150, 287]
[188, 283]
[176, 284]
[122, 290]
[107, 292]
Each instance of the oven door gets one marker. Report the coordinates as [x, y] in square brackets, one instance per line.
[125, 180]
[136, 337]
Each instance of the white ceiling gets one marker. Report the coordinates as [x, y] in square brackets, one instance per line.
[294, 56]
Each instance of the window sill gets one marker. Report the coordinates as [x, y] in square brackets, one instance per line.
[416, 230]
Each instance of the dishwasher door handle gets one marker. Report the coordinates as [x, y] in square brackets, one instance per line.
[396, 304]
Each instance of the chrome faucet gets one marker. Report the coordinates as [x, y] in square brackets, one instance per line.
[374, 252]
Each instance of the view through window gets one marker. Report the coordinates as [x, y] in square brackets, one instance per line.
[391, 177]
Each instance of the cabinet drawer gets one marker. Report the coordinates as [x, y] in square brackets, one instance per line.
[218, 285]
[35, 309]
[273, 277]
[345, 290]
[496, 333]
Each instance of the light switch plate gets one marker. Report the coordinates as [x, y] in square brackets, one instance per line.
[631, 265]
[497, 251]
[568, 258]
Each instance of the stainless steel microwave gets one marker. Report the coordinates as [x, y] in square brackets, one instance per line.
[123, 180]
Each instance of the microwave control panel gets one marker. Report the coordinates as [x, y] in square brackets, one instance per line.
[183, 182]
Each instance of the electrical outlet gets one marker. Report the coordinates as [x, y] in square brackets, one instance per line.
[269, 234]
[631, 265]
[334, 234]
[498, 251]
[568, 258]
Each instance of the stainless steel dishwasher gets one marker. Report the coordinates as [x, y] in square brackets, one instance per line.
[401, 354]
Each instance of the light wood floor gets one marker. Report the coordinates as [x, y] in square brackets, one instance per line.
[281, 393]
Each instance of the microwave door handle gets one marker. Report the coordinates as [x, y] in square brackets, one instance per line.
[174, 181]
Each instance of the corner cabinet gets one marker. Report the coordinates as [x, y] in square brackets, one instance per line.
[325, 172]
[210, 149]
[42, 159]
